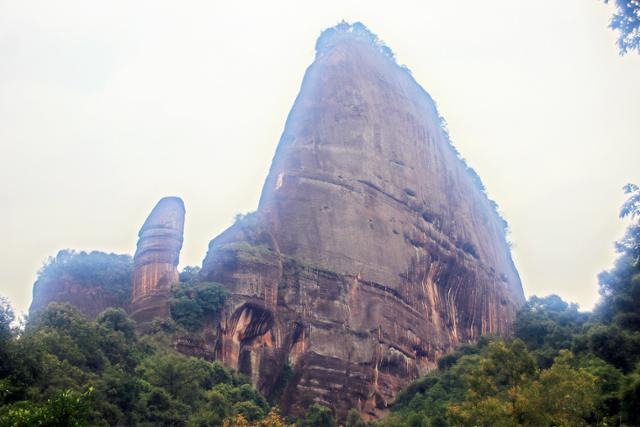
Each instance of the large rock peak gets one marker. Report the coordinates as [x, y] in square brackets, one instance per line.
[374, 249]
[156, 259]
[363, 169]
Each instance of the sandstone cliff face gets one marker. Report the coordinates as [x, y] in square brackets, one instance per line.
[372, 252]
[156, 259]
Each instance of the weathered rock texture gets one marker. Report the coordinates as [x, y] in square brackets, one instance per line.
[156, 259]
[373, 250]
[92, 282]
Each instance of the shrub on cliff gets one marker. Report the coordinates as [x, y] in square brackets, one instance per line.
[318, 415]
[189, 274]
[192, 303]
[187, 313]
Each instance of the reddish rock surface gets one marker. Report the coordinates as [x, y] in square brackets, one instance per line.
[156, 259]
[373, 250]
[90, 300]
[92, 282]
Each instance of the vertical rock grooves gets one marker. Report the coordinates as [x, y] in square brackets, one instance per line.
[156, 259]
[373, 250]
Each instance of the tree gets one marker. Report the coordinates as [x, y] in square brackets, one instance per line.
[631, 206]
[67, 408]
[273, 419]
[116, 319]
[630, 243]
[566, 395]
[417, 420]
[177, 375]
[617, 338]
[133, 381]
[626, 20]
[631, 397]
[7, 317]
[249, 410]
[547, 325]
[187, 313]
[236, 421]
[486, 412]
[354, 419]
[216, 409]
[609, 381]
[495, 386]
[211, 297]
[189, 274]
[164, 410]
[193, 303]
[319, 416]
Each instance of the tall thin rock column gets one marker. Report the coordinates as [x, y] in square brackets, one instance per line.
[156, 260]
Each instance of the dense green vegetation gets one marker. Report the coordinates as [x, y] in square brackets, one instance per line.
[194, 302]
[66, 370]
[561, 368]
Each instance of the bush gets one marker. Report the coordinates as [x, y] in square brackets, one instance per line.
[319, 416]
[187, 313]
[193, 303]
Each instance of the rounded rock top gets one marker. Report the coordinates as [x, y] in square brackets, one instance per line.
[168, 213]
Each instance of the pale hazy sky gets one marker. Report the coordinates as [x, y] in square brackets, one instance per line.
[105, 107]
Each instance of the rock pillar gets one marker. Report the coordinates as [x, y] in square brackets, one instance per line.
[156, 260]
